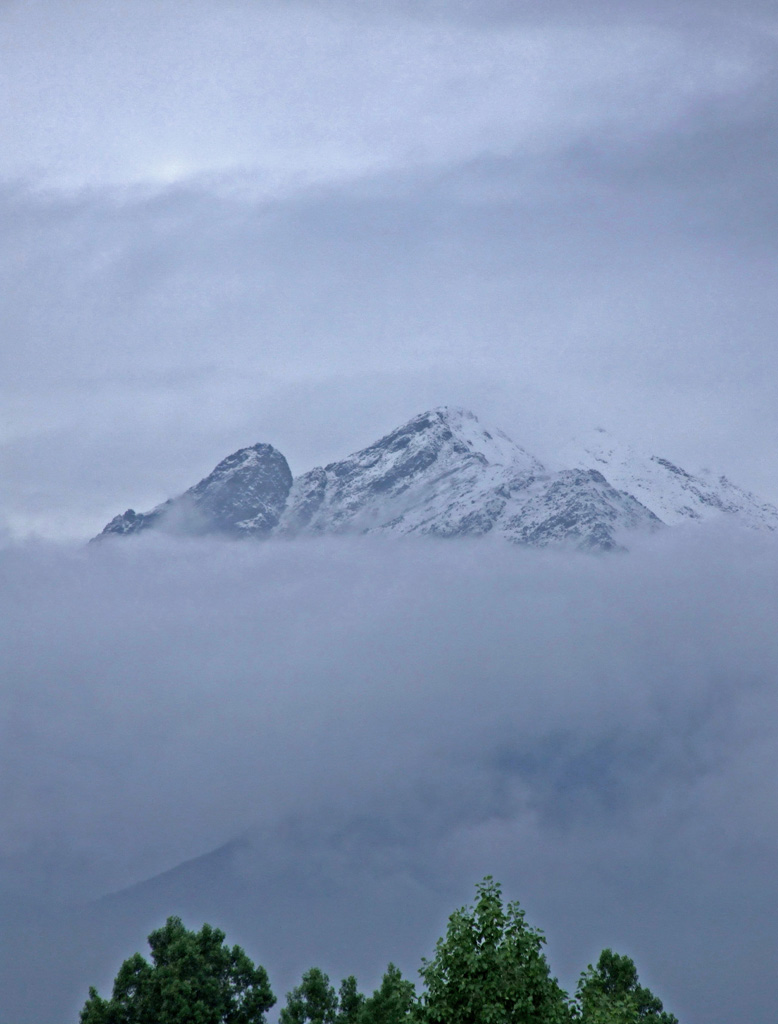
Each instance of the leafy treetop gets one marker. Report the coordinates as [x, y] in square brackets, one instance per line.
[610, 994]
[314, 1001]
[194, 978]
[490, 969]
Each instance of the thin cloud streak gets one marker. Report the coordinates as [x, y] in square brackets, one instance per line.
[315, 94]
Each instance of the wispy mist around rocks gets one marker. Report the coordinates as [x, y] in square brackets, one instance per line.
[379, 724]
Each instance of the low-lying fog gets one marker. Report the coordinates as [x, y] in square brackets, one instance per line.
[375, 726]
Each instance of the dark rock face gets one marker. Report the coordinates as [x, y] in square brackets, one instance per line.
[131, 522]
[244, 496]
[247, 491]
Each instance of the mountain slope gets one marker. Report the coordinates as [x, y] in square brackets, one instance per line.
[437, 473]
[444, 474]
[245, 494]
[673, 494]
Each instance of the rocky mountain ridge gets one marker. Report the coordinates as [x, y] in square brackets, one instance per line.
[673, 494]
[443, 474]
[245, 494]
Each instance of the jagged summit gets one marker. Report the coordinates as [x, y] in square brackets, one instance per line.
[443, 473]
[429, 475]
[245, 494]
[465, 428]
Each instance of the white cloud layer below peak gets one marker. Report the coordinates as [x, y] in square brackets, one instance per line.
[400, 718]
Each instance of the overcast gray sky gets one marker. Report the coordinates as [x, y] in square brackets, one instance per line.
[303, 224]
[223, 223]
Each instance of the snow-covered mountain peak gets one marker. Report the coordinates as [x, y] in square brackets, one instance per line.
[446, 434]
[443, 473]
[494, 445]
[671, 492]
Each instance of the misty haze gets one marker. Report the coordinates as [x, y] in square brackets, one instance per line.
[389, 487]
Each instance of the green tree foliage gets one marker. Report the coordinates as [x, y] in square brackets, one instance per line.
[610, 994]
[350, 1002]
[490, 969]
[313, 1000]
[392, 1003]
[194, 978]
